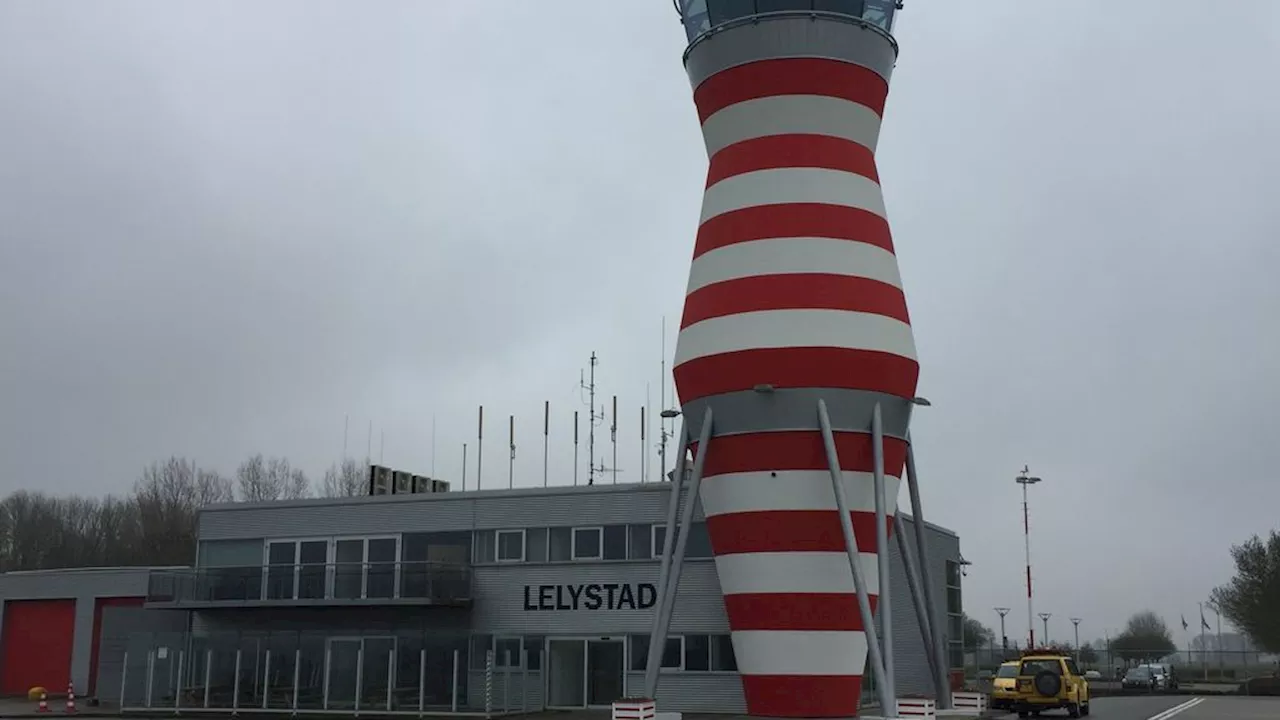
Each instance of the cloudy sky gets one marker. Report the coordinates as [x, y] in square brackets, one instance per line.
[227, 227]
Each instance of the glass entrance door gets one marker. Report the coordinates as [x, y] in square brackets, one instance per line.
[604, 671]
[584, 672]
[343, 677]
[566, 673]
[360, 668]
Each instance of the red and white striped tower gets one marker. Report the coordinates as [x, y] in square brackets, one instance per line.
[794, 297]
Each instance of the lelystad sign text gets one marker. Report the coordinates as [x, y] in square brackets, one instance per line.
[591, 596]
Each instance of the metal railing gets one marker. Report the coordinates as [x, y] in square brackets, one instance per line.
[312, 584]
[403, 674]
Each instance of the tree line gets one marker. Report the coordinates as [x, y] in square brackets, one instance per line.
[155, 523]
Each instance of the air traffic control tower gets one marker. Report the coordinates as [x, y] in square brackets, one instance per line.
[796, 365]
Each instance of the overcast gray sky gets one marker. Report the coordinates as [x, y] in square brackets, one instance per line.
[225, 226]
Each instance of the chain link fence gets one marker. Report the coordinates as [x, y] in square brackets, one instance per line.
[1190, 665]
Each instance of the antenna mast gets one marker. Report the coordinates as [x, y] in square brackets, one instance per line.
[662, 404]
[592, 418]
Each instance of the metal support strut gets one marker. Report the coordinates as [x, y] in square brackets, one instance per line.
[673, 558]
[942, 687]
[887, 705]
[884, 604]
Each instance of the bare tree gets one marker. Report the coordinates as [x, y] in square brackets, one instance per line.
[252, 481]
[262, 479]
[169, 495]
[291, 482]
[347, 479]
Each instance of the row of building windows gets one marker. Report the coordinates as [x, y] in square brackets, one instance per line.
[682, 653]
[955, 616]
[596, 542]
[509, 545]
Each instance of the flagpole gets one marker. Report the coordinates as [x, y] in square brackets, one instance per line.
[1218, 615]
[1204, 660]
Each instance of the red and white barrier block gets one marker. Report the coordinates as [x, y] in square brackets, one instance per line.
[634, 709]
[971, 701]
[917, 708]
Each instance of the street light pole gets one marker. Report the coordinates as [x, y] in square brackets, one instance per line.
[1045, 617]
[1004, 639]
[1024, 480]
[1076, 622]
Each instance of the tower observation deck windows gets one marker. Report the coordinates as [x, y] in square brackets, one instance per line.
[700, 16]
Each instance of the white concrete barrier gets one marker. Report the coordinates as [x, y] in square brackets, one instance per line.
[975, 702]
[634, 709]
[917, 708]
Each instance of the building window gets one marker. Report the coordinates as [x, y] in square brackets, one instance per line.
[722, 657]
[697, 653]
[641, 542]
[535, 545]
[615, 542]
[510, 545]
[953, 574]
[704, 653]
[698, 546]
[586, 543]
[561, 547]
[480, 647]
[955, 616]
[483, 547]
[533, 648]
[506, 652]
[672, 653]
[658, 536]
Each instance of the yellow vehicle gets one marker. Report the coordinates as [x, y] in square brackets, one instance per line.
[1047, 681]
[1004, 686]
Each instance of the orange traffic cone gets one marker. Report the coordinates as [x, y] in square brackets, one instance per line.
[44, 703]
[71, 699]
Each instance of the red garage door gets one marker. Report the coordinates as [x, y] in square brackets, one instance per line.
[35, 645]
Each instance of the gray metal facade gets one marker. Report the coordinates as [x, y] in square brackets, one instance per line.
[85, 586]
[507, 595]
[121, 626]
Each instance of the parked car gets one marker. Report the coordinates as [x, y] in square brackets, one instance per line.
[1166, 676]
[1004, 686]
[1092, 675]
[1139, 678]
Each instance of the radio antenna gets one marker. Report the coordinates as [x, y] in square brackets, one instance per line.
[592, 418]
[662, 404]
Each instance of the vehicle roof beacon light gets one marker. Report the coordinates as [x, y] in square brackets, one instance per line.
[794, 297]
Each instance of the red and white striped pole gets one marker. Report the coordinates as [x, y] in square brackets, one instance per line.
[71, 699]
[1024, 480]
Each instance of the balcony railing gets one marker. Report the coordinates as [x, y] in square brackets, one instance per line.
[702, 16]
[395, 583]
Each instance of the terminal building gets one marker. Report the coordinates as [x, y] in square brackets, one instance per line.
[484, 601]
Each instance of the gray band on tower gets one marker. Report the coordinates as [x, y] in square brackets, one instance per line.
[773, 37]
[784, 409]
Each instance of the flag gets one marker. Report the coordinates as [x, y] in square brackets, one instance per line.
[1184, 623]
[1204, 624]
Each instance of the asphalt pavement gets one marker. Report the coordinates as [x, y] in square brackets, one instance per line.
[1170, 707]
